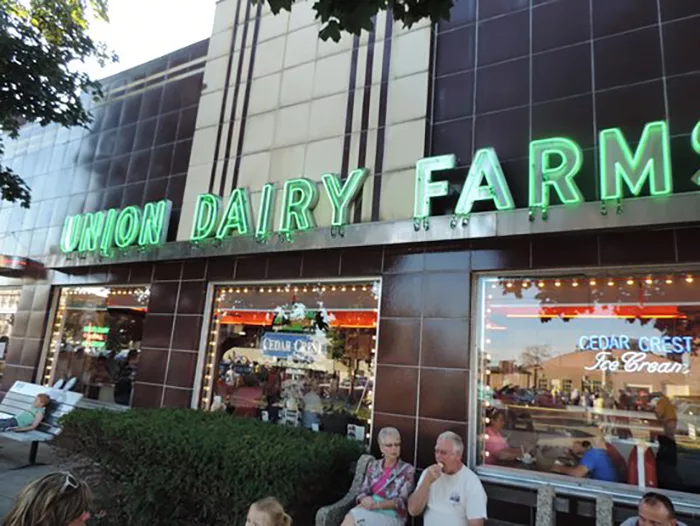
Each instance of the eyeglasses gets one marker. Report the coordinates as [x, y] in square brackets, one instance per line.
[70, 483]
[397, 444]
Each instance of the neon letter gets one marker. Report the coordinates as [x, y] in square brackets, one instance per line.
[341, 196]
[651, 160]
[264, 227]
[237, 215]
[72, 232]
[93, 225]
[485, 165]
[695, 138]
[108, 232]
[127, 227]
[206, 215]
[299, 198]
[155, 217]
[544, 176]
[426, 189]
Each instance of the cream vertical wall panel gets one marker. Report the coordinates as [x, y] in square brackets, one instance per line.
[264, 94]
[410, 53]
[302, 15]
[301, 46]
[197, 182]
[292, 125]
[297, 84]
[397, 196]
[328, 47]
[272, 26]
[404, 144]
[367, 195]
[323, 214]
[328, 117]
[224, 15]
[203, 146]
[407, 98]
[260, 130]
[209, 110]
[322, 157]
[184, 228]
[287, 163]
[220, 44]
[254, 171]
[269, 57]
[332, 75]
[215, 74]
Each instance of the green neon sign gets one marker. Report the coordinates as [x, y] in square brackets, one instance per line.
[102, 231]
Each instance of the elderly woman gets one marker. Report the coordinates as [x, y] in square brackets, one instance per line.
[388, 484]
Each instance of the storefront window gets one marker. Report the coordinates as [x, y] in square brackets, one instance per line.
[96, 341]
[592, 376]
[9, 299]
[300, 354]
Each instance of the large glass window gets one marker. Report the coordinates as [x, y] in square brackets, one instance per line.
[96, 340]
[9, 299]
[301, 354]
[592, 376]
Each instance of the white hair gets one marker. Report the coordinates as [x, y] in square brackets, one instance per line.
[386, 432]
[454, 438]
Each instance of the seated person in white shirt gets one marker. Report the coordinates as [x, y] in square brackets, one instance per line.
[449, 492]
[654, 510]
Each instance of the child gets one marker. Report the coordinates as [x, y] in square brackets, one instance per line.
[27, 420]
[267, 512]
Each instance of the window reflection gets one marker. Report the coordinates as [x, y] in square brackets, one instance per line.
[9, 299]
[298, 354]
[592, 376]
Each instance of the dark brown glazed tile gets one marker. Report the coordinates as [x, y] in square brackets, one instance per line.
[399, 341]
[446, 295]
[181, 369]
[14, 351]
[31, 351]
[26, 298]
[628, 58]
[362, 262]
[634, 247]
[282, 266]
[445, 343]
[220, 269]
[687, 245]
[187, 333]
[157, 331]
[558, 24]
[610, 18]
[167, 271]
[561, 251]
[192, 297]
[324, 264]
[141, 273]
[402, 260]
[450, 56]
[443, 394]
[194, 269]
[152, 365]
[572, 118]
[448, 260]
[428, 431]
[119, 274]
[501, 254]
[494, 48]
[503, 86]
[630, 108]
[402, 295]
[396, 390]
[14, 374]
[251, 268]
[147, 396]
[37, 324]
[177, 398]
[405, 425]
[163, 297]
[42, 295]
[492, 8]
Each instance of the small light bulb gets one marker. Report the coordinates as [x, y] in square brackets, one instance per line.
[574, 284]
[557, 283]
[630, 281]
[689, 278]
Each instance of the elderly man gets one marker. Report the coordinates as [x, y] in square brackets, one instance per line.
[448, 491]
[654, 510]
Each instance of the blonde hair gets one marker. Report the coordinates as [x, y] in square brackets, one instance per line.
[52, 500]
[45, 399]
[276, 515]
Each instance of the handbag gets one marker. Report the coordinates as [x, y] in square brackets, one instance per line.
[377, 498]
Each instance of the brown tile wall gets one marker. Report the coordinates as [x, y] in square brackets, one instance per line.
[423, 359]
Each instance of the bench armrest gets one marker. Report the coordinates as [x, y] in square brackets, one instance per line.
[333, 514]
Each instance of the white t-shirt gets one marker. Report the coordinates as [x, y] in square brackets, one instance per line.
[455, 499]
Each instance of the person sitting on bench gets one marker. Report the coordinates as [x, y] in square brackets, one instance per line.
[27, 420]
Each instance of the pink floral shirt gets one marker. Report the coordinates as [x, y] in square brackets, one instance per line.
[494, 443]
[399, 489]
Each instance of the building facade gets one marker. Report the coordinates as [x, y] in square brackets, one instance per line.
[424, 226]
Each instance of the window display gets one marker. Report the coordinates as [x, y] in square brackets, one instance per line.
[592, 376]
[301, 354]
[96, 341]
[9, 299]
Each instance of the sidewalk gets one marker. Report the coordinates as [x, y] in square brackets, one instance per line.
[14, 455]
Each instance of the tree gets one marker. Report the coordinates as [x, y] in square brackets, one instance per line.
[42, 43]
[353, 16]
[534, 356]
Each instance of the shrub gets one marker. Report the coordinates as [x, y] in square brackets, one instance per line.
[184, 467]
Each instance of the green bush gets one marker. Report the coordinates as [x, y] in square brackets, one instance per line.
[184, 467]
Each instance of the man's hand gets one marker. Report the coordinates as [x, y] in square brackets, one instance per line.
[434, 472]
[367, 503]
